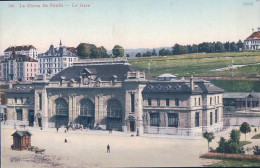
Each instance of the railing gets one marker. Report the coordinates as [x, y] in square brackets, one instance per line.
[82, 62]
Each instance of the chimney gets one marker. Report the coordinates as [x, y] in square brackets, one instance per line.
[253, 30]
[191, 83]
[258, 28]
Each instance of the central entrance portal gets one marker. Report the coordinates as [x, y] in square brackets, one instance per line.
[132, 126]
[62, 112]
[61, 120]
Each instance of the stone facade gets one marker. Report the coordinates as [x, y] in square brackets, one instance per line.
[118, 96]
[18, 68]
[56, 59]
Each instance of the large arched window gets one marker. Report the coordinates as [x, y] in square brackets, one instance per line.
[114, 108]
[61, 107]
[87, 107]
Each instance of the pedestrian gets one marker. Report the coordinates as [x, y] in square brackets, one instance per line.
[108, 148]
[81, 127]
[73, 127]
[57, 129]
[65, 140]
[67, 128]
[255, 129]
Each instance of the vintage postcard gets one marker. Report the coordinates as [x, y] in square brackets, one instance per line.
[130, 83]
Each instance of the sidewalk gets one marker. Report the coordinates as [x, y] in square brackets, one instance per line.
[114, 133]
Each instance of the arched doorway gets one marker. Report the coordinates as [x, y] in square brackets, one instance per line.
[62, 112]
[114, 114]
[87, 113]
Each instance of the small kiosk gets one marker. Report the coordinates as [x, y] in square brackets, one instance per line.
[21, 140]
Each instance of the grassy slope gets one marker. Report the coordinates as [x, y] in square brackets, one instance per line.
[237, 86]
[201, 64]
[243, 143]
[257, 136]
[236, 163]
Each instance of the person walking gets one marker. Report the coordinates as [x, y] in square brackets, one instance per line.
[108, 148]
[57, 129]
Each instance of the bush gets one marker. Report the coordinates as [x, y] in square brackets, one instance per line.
[231, 146]
[235, 136]
[256, 150]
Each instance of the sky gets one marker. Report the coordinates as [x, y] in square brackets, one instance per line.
[129, 23]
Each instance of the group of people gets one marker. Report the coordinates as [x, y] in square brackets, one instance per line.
[72, 126]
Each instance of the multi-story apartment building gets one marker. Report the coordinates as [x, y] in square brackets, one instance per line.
[117, 96]
[253, 41]
[56, 59]
[18, 68]
[28, 50]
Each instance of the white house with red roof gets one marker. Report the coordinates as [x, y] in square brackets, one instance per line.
[28, 50]
[253, 41]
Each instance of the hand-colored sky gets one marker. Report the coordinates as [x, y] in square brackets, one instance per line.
[129, 23]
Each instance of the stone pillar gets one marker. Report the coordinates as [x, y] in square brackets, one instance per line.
[25, 114]
[74, 112]
[44, 109]
[246, 103]
[140, 125]
[70, 103]
[97, 109]
[162, 119]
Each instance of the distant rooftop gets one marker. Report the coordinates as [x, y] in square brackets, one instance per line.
[254, 36]
[20, 48]
[241, 95]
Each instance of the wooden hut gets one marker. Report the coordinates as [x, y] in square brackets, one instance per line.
[21, 140]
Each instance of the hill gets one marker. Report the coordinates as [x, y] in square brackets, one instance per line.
[216, 66]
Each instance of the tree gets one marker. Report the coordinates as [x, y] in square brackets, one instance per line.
[162, 52]
[240, 44]
[127, 55]
[227, 46]
[138, 54]
[154, 53]
[83, 50]
[245, 128]
[118, 51]
[233, 46]
[179, 49]
[219, 47]
[168, 52]
[235, 136]
[222, 145]
[209, 136]
[204, 47]
[103, 52]
[148, 54]
[94, 51]
[194, 48]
